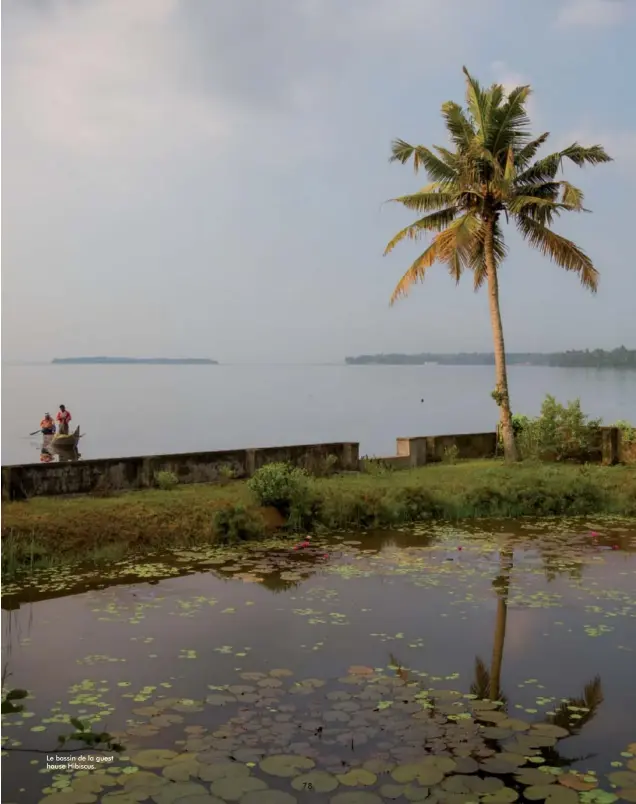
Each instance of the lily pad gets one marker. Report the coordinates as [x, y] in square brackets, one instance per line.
[286, 765]
[576, 781]
[171, 792]
[233, 788]
[225, 770]
[358, 777]
[392, 791]
[153, 758]
[625, 779]
[628, 794]
[504, 796]
[69, 798]
[269, 797]
[356, 797]
[318, 781]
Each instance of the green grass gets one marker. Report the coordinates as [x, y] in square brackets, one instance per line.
[61, 529]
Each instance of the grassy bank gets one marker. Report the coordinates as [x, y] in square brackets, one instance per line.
[45, 530]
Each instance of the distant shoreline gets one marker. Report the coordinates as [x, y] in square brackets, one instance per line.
[621, 358]
[154, 361]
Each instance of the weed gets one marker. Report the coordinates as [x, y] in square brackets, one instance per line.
[166, 481]
[234, 524]
[451, 454]
[280, 485]
[375, 466]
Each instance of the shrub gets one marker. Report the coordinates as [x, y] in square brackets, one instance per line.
[628, 431]
[236, 523]
[227, 472]
[282, 486]
[451, 454]
[560, 432]
[375, 466]
[166, 481]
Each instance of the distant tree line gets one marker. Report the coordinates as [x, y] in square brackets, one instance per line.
[575, 358]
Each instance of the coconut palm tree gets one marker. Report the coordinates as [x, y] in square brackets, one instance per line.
[486, 176]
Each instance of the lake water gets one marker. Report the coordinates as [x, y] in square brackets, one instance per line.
[145, 410]
[342, 674]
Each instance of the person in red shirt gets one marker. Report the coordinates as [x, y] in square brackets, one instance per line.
[63, 419]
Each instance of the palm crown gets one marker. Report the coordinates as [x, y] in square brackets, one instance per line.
[491, 172]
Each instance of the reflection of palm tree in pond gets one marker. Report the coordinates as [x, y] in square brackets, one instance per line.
[487, 683]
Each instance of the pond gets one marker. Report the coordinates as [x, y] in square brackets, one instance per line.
[438, 663]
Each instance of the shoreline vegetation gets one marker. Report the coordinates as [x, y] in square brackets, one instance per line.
[152, 361]
[620, 358]
[279, 499]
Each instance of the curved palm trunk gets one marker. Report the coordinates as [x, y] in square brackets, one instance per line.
[502, 396]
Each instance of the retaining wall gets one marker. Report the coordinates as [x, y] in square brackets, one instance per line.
[84, 477]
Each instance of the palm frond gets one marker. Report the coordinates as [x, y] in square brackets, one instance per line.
[572, 197]
[436, 221]
[425, 201]
[459, 126]
[422, 157]
[416, 272]
[510, 121]
[526, 154]
[547, 168]
[559, 249]
[478, 105]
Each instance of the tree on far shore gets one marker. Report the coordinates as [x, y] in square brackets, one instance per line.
[488, 174]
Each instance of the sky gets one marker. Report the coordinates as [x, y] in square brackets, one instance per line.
[207, 179]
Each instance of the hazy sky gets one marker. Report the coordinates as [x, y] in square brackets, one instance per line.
[206, 178]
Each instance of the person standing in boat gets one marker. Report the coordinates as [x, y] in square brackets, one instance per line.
[47, 425]
[63, 419]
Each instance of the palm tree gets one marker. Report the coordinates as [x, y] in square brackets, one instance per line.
[488, 174]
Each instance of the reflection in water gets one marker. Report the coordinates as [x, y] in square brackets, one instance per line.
[50, 452]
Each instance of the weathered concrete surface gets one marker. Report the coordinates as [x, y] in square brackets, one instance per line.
[84, 477]
[432, 449]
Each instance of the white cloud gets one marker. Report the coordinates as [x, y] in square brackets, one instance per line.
[510, 79]
[593, 13]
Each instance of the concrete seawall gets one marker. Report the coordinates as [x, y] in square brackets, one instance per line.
[22, 481]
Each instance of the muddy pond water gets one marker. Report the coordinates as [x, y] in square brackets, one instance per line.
[452, 664]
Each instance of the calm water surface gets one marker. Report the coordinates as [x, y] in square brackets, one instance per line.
[137, 410]
[353, 657]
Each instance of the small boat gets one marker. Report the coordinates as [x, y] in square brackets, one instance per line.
[68, 440]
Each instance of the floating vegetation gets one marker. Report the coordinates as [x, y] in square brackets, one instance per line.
[337, 690]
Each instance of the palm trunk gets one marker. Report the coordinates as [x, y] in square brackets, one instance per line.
[501, 394]
[505, 560]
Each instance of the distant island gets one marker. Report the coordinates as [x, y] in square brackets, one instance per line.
[597, 358]
[153, 361]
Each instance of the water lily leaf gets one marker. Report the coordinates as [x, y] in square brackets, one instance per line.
[426, 775]
[70, 798]
[286, 765]
[628, 794]
[549, 729]
[504, 796]
[466, 765]
[233, 788]
[318, 781]
[622, 779]
[537, 792]
[269, 797]
[153, 758]
[484, 786]
[413, 793]
[356, 797]
[181, 771]
[171, 792]
[532, 776]
[392, 791]
[220, 700]
[358, 777]
[224, 770]
[576, 781]
[514, 724]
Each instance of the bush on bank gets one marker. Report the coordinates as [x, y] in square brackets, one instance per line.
[56, 529]
[562, 432]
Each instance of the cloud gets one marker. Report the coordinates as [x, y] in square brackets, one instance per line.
[593, 13]
[143, 78]
[510, 79]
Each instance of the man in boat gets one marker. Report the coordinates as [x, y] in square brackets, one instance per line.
[47, 425]
[63, 419]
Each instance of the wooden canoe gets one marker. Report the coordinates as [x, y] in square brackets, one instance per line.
[70, 440]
